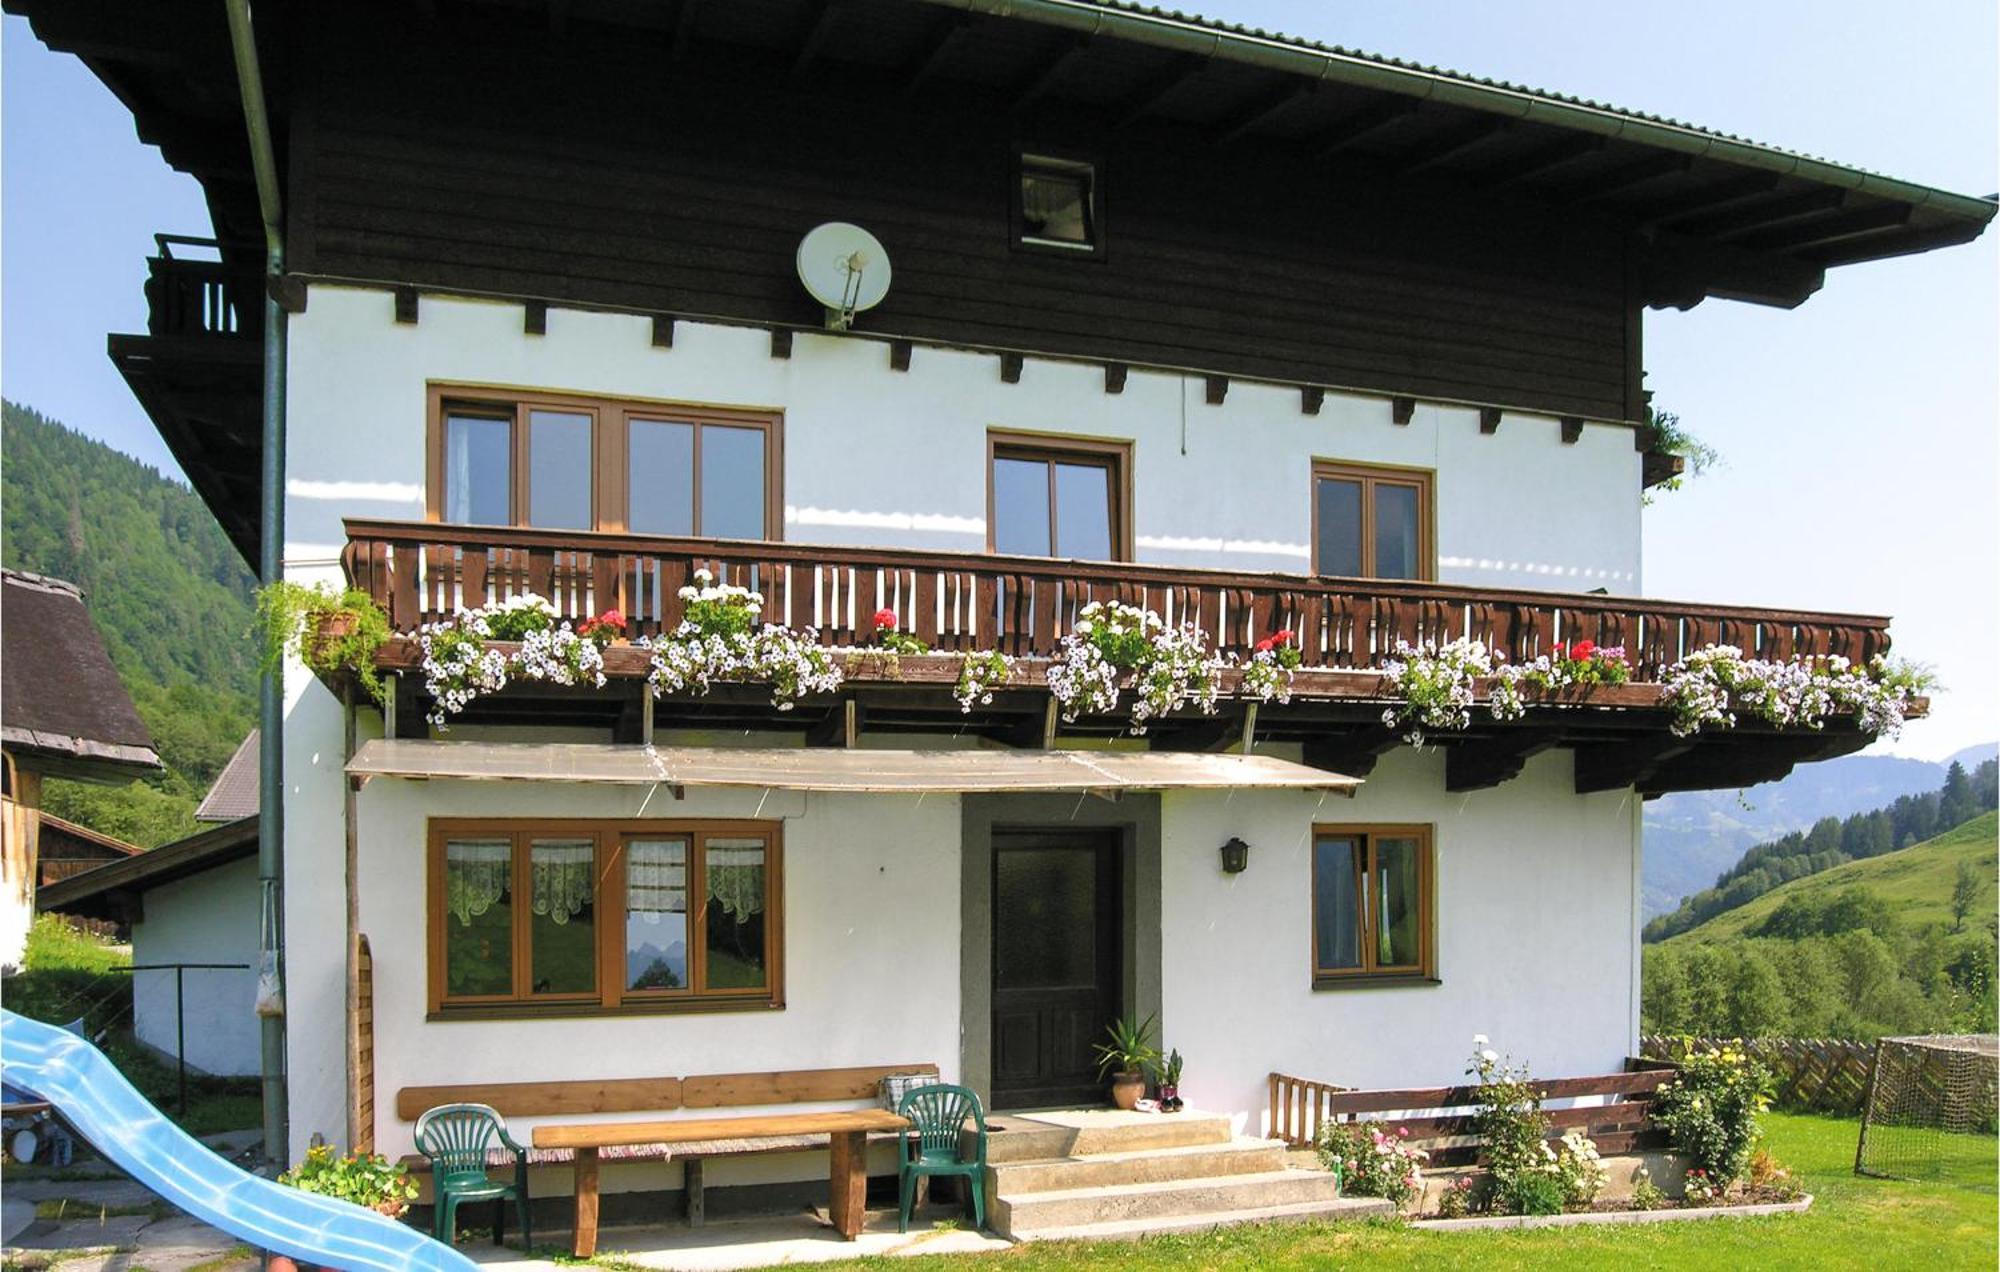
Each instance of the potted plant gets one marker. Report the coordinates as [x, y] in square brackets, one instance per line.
[366, 1179]
[1127, 1058]
[1170, 1082]
[328, 630]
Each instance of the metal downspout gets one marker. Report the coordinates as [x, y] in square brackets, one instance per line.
[270, 568]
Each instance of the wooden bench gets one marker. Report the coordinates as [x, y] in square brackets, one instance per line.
[723, 1137]
[846, 1132]
[1439, 1119]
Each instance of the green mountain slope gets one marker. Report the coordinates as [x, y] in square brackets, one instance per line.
[1915, 882]
[166, 590]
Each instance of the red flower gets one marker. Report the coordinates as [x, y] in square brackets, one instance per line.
[1283, 636]
[1559, 651]
[1582, 649]
[611, 618]
[885, 619]
[1264, 646]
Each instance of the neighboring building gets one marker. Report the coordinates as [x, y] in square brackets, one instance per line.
[63, 713]
[68, 849]
[1240, 328]
[194, 901]
[233, 795]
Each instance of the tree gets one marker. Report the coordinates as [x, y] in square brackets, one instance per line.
[1964, 894]
[1956, 802]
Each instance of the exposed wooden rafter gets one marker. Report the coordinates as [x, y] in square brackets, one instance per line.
[1045, 79]
[1478, 763]
[1828, 229]
[1365, 122]
[1351, 754]
[1611, 766]
[1538, 163]
[1727, 222]
[1155, 92]
[939, 47]
[1448, 145]
[1625, 177]
[1261, 112]
[814, 40]
[1708, 198]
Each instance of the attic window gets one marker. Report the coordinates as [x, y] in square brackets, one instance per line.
[1058, 205]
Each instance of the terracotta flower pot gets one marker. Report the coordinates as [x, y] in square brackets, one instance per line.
[1126, 1088]
[324, 630]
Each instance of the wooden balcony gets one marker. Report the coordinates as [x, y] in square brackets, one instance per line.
[1346, 628]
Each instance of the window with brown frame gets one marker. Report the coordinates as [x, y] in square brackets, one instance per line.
[562, 917]
[1372, 522]
[570, 462]
[1373, 905]
[1058, 497]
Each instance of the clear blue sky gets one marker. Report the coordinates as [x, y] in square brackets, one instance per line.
[1860, 433]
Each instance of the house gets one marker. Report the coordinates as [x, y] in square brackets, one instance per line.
[63, 713]
[1242, 330]
[191, 907]
[233, 794]
[66, 849]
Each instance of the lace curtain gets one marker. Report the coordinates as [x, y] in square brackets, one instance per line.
[655, 878]
[475, 876]
[560, 877]
[736, 877]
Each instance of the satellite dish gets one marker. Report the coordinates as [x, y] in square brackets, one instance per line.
[844, 268]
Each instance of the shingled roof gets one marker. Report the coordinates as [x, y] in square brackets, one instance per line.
[63, 709]
[234, 794]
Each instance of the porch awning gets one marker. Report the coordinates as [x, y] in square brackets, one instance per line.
[836, 769]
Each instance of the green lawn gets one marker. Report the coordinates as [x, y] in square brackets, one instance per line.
[1854, 1223]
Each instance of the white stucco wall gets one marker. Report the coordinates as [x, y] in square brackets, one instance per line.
[1537, 944]
[886, 458]
[206, 918]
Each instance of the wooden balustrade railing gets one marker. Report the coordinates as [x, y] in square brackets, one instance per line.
[202, 298]
[422, 572]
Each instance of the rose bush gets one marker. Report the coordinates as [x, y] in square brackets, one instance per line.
[1372, 1162]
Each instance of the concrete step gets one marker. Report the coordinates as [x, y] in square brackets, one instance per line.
[1014, 1137]
[1132, 1229]
[1146, 1166]
[1172, 1198]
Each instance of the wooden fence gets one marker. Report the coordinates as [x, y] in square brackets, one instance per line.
[1827, 1075]
[361, 1050]
[1441, 1118]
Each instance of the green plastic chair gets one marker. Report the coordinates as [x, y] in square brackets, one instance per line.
[456, 1138]
[937, 1116]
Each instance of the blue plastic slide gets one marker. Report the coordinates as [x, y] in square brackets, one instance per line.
[103, 1107]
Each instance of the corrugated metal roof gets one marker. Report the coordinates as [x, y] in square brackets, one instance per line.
[1186, 30]
[830, 769]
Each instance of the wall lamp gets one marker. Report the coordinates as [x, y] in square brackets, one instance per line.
[1235, 856]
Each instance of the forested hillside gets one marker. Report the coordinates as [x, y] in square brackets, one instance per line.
[1832, 842]
[1898, 943]
[171, 597]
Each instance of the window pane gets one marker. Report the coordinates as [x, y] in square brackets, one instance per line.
[562, 920]
[732, 482]
[478, 470]
[1046, 933]
[1337, 902]
[1021, 507]
[1398, 904]
[1339, 527]
[656, 887]
[1083, 511]
[1055, 201]
[733, 940]
[660, 454]
[559, 470]
[479, 917]
[1397, 538]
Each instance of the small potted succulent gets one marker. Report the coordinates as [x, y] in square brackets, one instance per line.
[1127, 1058]
[1170, 1082]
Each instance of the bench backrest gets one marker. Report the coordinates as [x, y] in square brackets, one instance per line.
[661, 1095]
[1439, 1118]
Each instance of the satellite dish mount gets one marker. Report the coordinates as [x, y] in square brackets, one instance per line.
[845, 269]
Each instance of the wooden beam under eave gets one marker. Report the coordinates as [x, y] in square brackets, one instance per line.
[900, 352]
[1363, 123]
[1555, 155]
[1625, 177]
[1216, 389]
[1489, 420]
[1476, 764]
[663, 331]
[535, 318]
[1572, 429]
[1612, 766]
[816, 37]
[1828, 229]
[1262, 112]
[781, 342]
[1010, 367]
[1157, 90]
[406, 305]
[1042, 81]
[1402, 410]
[1351, 754]
[1114, 377]
[1728, 222]
[1709, 198]
[942, 42]
[1447, 145]
[1311, 398]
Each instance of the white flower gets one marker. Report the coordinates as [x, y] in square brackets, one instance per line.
[1490, 1056]
[1480, 1040]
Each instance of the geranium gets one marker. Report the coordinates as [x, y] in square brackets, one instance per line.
[896, 642]
[1267, 673]
[1112, 644]
[978, 676]
[604, 629]
[719, 640]
[1711, 686]
[1437, 684]
[459, 665]
[885, 620]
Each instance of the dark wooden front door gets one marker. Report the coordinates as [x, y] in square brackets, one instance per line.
[1056, 974]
